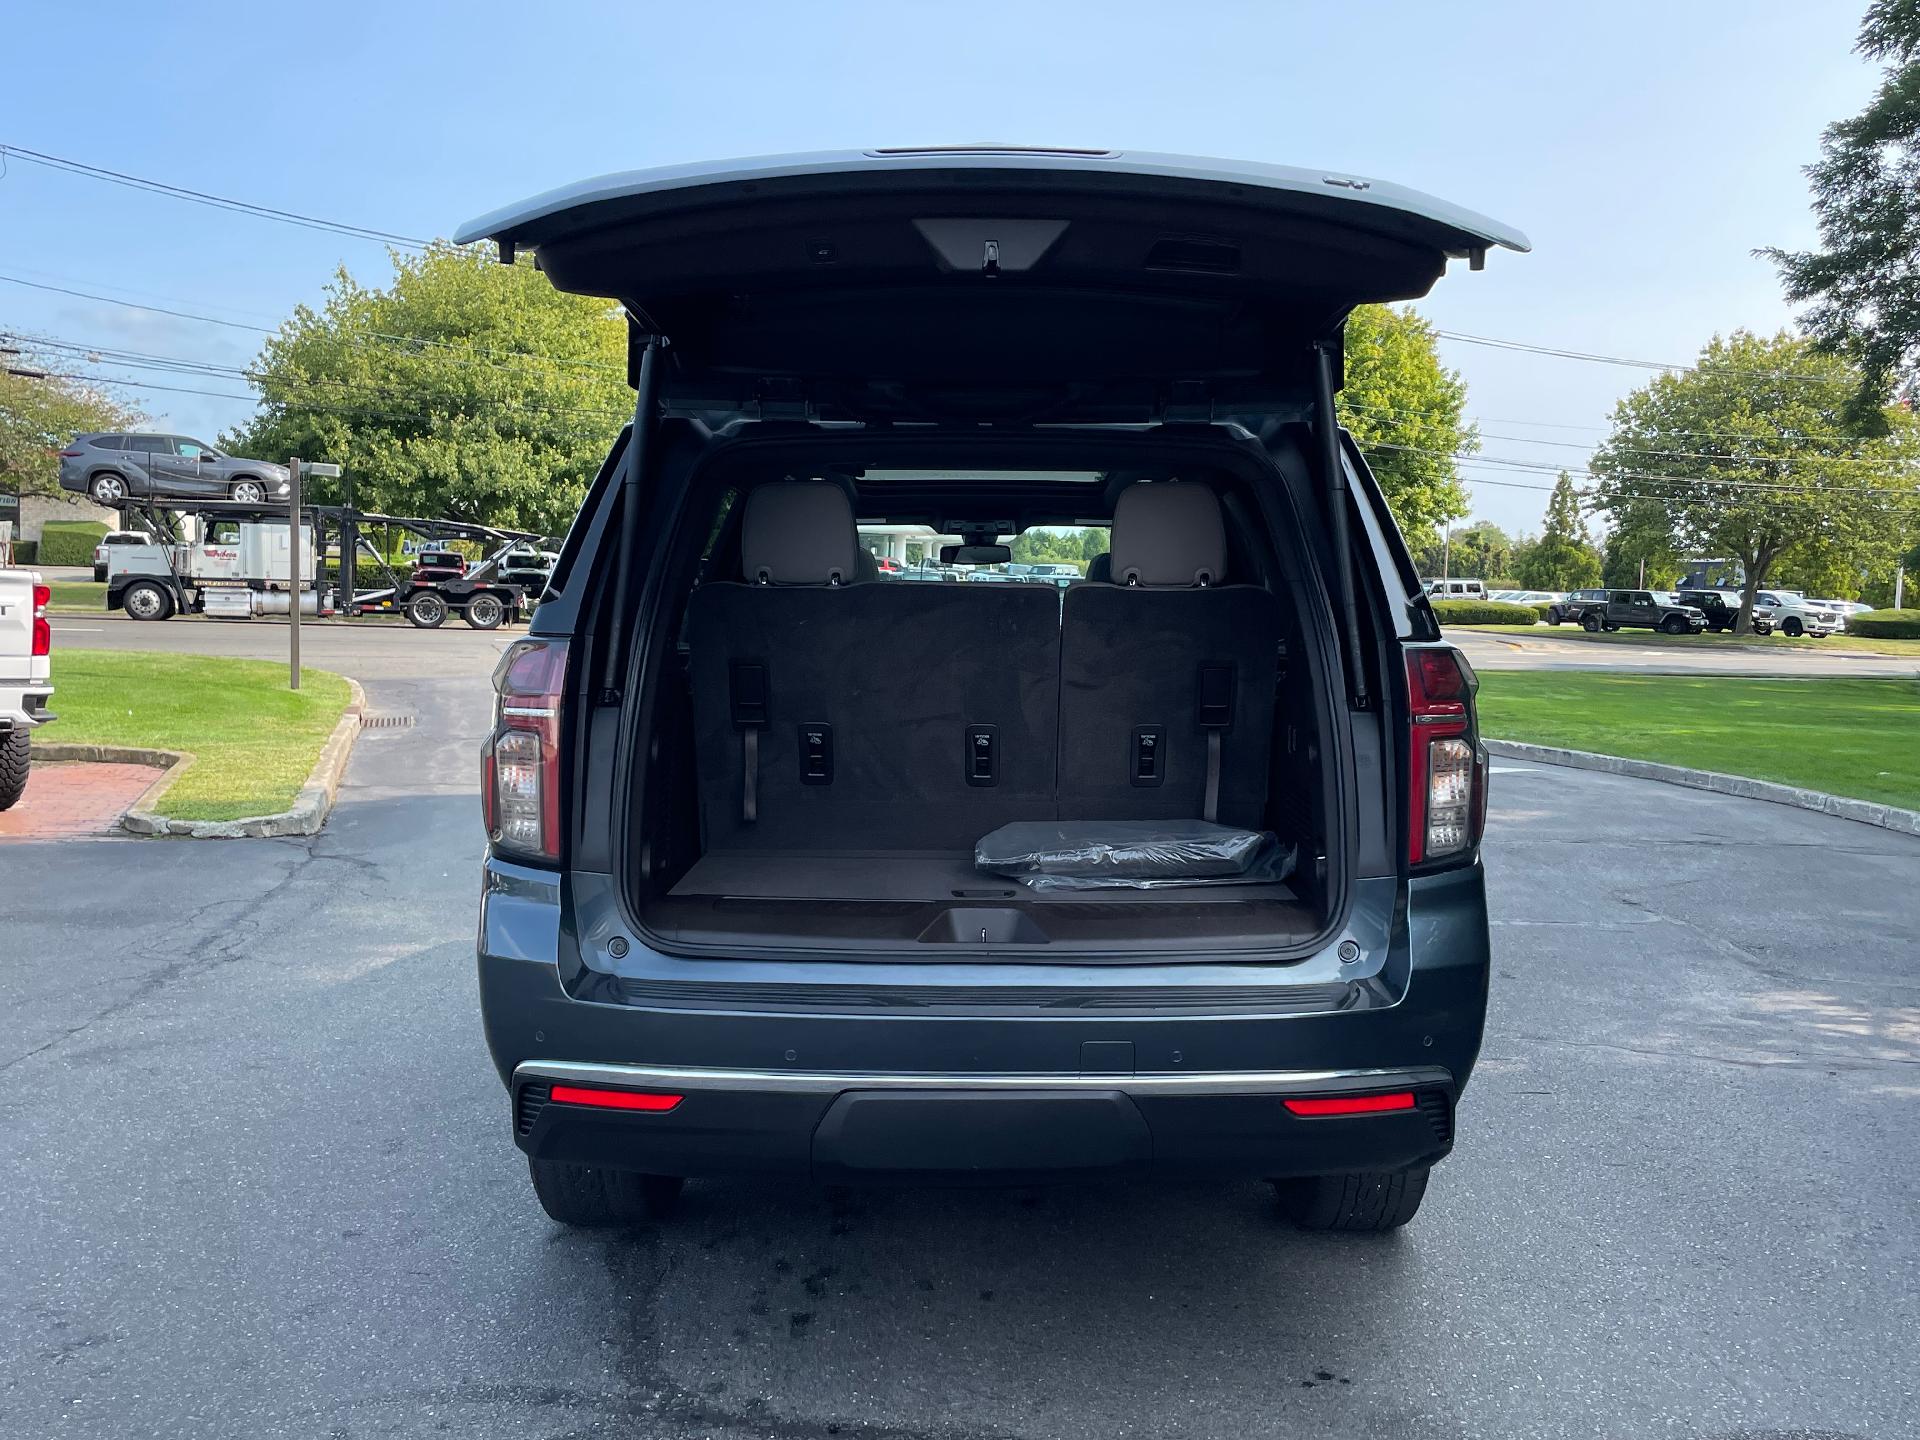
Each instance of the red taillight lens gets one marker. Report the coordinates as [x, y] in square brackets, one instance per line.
[1349, 1104]
[71, 454]
[42, 631]
[520, 789]
[616, 1099]
[1446, 769]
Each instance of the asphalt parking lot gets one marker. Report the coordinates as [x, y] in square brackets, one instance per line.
[260, 1180]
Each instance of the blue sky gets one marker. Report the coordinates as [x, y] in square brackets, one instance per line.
[1646, 148]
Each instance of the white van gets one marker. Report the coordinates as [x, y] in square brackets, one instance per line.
[1457, 589]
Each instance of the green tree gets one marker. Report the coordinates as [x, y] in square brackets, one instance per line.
[1094, 541]
[1864, 281]
[1752, 453]
[1563, 558]
[1407, 412]
[464, 389]
[1048, 547]
[38, 416]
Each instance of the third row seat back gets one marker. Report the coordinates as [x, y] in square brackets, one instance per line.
[1167, 674]
[864, 716]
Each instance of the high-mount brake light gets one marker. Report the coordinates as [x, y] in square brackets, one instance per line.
[1447, 770]
[520, 790]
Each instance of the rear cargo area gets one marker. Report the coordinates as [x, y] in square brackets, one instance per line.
[854, 738]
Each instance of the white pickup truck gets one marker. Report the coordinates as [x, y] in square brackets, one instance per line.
[25, 674]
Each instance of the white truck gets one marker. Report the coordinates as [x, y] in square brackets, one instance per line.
[26, 643]
[1793, 614]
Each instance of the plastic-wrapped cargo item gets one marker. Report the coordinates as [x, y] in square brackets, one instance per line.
[1131, 854]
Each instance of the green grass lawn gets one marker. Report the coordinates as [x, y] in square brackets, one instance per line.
[1654, 637]
[77, 595]
[254, 741]
[1847, 737]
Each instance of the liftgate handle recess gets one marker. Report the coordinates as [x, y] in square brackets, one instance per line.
[318, 469]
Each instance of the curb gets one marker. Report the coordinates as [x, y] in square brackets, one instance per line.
[1867, 812]
[309, 810]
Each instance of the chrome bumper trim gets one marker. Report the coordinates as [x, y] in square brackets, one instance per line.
[802, 1082]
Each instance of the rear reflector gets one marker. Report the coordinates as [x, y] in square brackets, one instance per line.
[1339, 1104]
[621, 1099]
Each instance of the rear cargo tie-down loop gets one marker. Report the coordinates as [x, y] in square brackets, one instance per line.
[749, 775]
[1211, 812]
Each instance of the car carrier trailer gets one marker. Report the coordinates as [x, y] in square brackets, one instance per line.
[239, 567]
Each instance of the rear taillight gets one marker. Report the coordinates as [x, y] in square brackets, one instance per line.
[42, 631]
[520, 791]
[71, 454]
[1447, 770]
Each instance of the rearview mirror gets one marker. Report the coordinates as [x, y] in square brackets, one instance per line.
[975, 554]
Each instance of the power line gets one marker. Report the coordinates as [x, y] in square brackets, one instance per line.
[315, 222]
[220, 202]
[410, 341]
[1528, 348]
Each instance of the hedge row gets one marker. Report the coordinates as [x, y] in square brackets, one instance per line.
[69, 542]
[1484, 612]
[25, 552]
[1886, 625]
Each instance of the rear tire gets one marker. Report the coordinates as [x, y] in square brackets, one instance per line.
[428, 610]
[145, 600]
[587, 1195]
[108, 490]
[13, 767]
[1368, 1201]
[1590, 624]
[485, 612]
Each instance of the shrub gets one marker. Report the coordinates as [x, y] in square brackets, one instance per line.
[1886, 625]
[1483, 612]
[1542, 609]
[69, 542]
[25, 551]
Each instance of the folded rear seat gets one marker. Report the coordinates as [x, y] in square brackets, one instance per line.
[832, 714]
[1166, 674]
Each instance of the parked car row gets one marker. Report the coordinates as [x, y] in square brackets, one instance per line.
[1691, 611]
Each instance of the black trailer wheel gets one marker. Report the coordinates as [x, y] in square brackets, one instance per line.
[428, 610]
[13, 767]
[1370, 1200]
[146, 600]
[588, 1195]
[485, 611]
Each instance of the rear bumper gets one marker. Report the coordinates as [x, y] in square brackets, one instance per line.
[860, 1071]
[922, 1127]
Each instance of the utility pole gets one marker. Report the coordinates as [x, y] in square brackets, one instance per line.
[294, 469]
[293, 572]
[1446, 554]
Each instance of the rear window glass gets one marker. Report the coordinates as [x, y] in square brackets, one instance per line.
[109, 442]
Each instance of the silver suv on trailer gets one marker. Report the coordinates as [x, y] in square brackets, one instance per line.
[754, 901]
[113, 468]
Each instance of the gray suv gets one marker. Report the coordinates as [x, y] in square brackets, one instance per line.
[1174, 871]
[111, 469]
